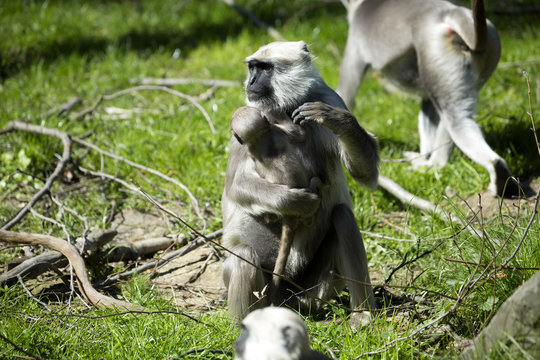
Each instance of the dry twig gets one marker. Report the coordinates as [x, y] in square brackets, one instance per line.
[186, 81]
[66, 157]
[194, 201]
[271, 31]
[146, 88]
[69, 251]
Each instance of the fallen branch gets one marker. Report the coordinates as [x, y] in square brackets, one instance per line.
[133, 250]
[410, 199]
[19, 349]
[37, 265]
[145, 88]
[192, 245]
[258, 22]
[185, 81]
[192, 197]
[66, 157]
[33, 267]
[69, 251]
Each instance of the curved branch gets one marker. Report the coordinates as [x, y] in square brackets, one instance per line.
[194, 201]
[69, 251]
[167, 90]
[66, 157]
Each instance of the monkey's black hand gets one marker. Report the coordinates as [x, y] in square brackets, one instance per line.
[321, 113]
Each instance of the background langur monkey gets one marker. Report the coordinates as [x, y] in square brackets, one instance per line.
[276, 159]
[274, 333]
[440, 51]
[283, 84]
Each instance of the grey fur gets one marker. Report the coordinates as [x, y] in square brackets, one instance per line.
[331, 239]
[439, 51]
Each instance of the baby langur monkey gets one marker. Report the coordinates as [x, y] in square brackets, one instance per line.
[274, 333]
[276, 158]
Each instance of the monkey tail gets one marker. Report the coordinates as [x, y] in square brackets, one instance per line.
[480, 25]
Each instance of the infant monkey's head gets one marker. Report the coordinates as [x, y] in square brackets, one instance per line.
[248, 124]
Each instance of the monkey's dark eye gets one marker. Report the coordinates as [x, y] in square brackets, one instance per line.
[265, 66]
[259, 65]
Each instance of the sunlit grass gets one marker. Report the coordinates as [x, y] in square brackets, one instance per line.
[53, 51]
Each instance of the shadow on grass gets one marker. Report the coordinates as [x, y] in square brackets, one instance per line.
[147, 40]
[137, 40]
[515, 142]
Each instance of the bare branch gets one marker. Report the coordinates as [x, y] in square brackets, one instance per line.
[186, 81]
[193, 199]
[407, 198]
[143, 88]
[258, 22]
[66, 157]
[192, 245]
[167, 90]
[20, 349]
[530, 113]
[76, 261]
[29, 293]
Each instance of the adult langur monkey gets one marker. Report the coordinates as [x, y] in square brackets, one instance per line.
[284, 85]
[274, 333]
[440, 51]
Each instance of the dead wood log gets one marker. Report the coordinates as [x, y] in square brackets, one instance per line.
[37, 265]
[69, 251]
[133, 250]
[33, 267]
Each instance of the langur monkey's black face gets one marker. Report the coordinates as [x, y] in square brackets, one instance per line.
[280, 77]
[259, 83]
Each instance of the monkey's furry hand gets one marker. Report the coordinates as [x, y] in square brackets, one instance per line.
[321, 113]
[300, 202]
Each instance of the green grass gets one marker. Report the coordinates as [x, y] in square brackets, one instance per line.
[54, 50]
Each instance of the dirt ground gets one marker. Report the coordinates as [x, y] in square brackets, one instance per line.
[191, 280]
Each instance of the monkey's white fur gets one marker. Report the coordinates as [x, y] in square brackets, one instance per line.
[294, 70]
[438, 51]
[274, 333]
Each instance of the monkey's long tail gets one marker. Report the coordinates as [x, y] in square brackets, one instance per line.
[410, 199]
[287, 236]
[480, 25]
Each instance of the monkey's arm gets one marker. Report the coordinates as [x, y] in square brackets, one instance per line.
[243, 186]
[358, 148]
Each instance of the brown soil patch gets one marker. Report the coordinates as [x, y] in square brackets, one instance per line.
[191, 280]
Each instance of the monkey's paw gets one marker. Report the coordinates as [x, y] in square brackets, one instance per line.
[312, 112]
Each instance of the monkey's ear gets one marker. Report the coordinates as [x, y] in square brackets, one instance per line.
[238, 138]
[305, 47]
